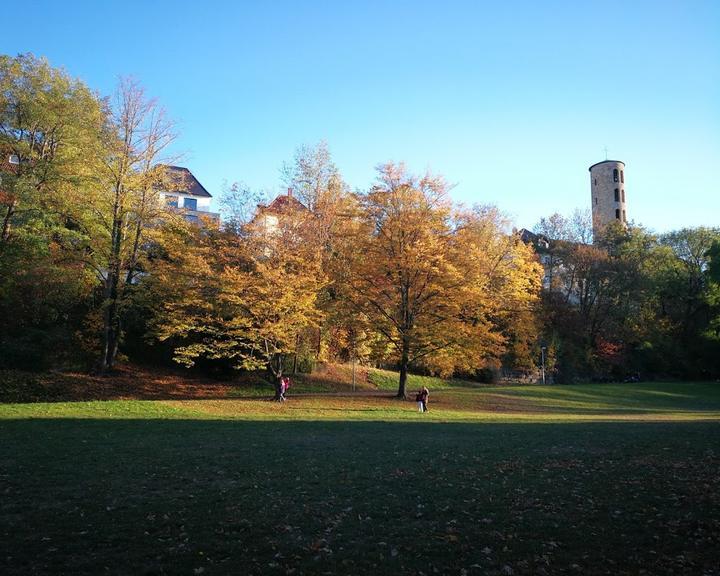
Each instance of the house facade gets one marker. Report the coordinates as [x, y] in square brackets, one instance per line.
[267, 218]
[185, 193]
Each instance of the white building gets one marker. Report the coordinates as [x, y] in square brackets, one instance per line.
[187, 195]
[267, 218]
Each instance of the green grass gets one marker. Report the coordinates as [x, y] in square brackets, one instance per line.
[300, 385]
[599, 402]
[602, 479]
[340, 380]
[387, 380]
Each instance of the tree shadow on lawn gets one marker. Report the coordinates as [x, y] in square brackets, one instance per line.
[120, 496]
[603, 398]
[138, 383]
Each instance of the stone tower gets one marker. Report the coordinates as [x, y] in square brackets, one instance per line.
[607, 186]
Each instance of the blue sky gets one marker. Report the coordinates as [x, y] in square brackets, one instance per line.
[512, 101]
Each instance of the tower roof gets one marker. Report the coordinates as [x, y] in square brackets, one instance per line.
[607, 162]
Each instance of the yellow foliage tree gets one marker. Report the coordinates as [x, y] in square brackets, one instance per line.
[438, 283]
[239, 297]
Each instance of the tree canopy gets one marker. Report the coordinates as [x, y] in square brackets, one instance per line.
[95, 266]
[434, 281]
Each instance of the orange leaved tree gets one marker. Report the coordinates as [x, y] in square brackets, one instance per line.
[241, 297]
[438, 283]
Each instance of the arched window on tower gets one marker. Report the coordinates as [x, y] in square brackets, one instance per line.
[624, 217]
[617, 195]
[595, 200]
[617, 213]
[615, 175]
[623, 194]
[622, 176]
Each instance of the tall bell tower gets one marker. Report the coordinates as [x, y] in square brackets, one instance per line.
[607, 188]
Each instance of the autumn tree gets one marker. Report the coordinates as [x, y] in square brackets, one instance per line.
[313, 177]
[433, 280]
[685, 299]
[240, 298]
[315, 180]
[712, 332]
[50, 124]
[123, 206]
[238, 205]
[689, 280]
[630, 303]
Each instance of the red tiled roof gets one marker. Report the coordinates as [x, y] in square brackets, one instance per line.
[283, 204]
[5, 165]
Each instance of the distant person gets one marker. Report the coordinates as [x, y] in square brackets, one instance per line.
[418, 399]
[279, 392]
[284, 385]
[424, 395]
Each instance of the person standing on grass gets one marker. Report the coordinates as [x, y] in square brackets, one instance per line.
[418, 399]
[424, 395]
[280, 388]
[284, 385]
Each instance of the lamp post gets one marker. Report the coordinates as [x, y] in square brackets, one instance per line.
[542, 360]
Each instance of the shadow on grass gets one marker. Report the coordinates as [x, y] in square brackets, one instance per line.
[634, 398]
[153, 496]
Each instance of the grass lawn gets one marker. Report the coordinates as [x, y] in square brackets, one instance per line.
[601, 479]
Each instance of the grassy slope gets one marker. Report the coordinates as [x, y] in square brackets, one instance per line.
[387, 380]
[145, 383]
[338, 378]
[528, 479]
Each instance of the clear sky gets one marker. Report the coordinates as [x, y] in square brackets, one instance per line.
[512, 101]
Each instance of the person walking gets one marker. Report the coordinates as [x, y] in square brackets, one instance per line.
[424, 395]
[418, 399]
[279, 388]
[284, 385]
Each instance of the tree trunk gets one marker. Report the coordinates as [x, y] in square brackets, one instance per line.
[111, 327]
[111, 317]
[278, 388]
[404, 361]
[406, 326]
[297, 344]
[276, 375]
[5, 234]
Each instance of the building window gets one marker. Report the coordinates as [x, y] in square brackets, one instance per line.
[171, 201]
[595, 181]
[14, 159]
[615, 175]
[617, 195]
[623, 194]
[624, 217]
[595, 200]
[617, 213]
[622, 176]
[192, 218]
[190, 203]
